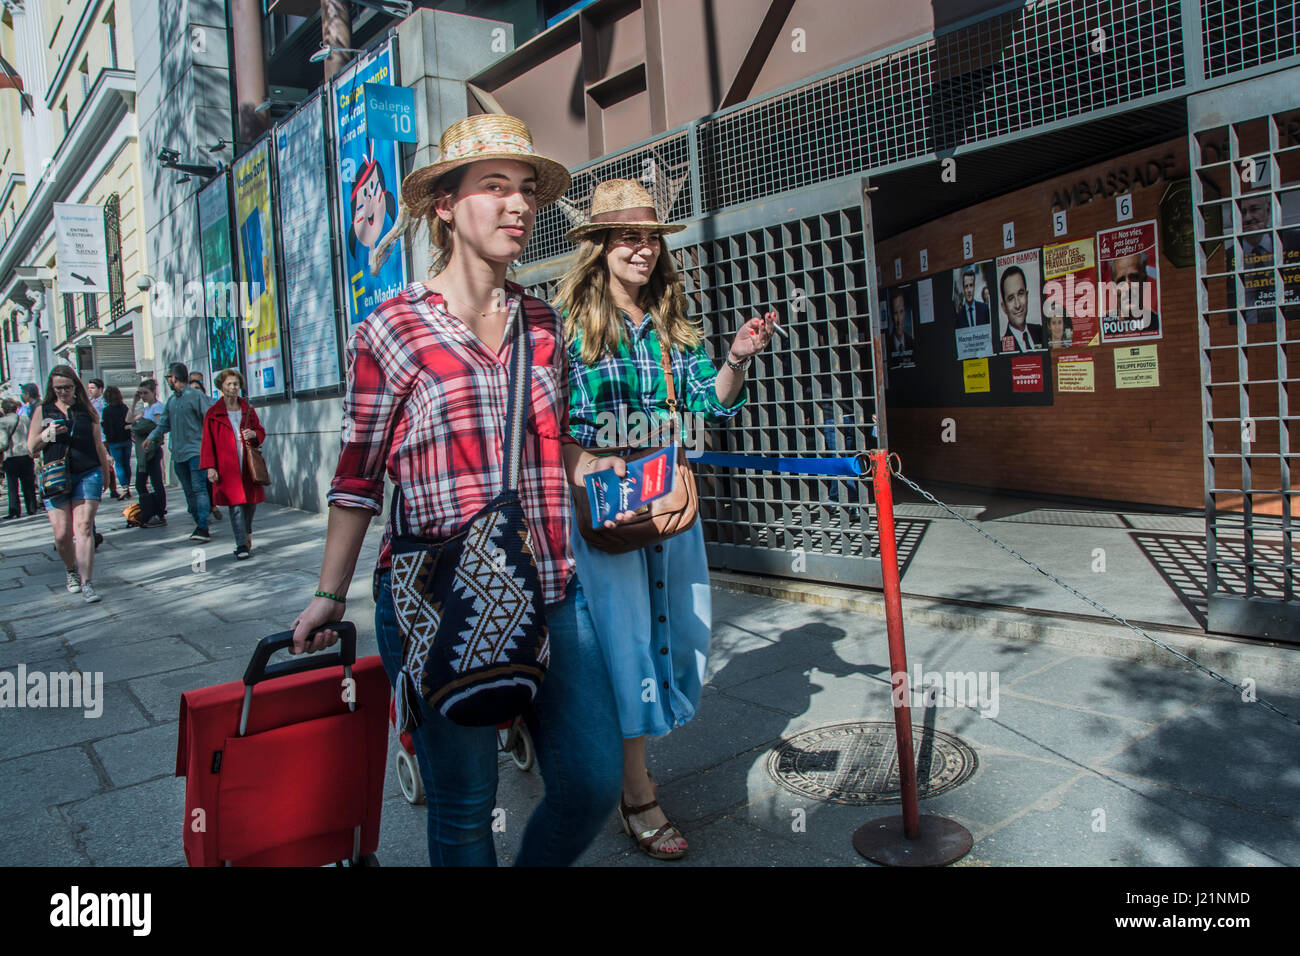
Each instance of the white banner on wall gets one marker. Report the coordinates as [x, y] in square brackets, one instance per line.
[82, 247]
[310, 309]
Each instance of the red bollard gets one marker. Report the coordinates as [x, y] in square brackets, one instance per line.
[920, 841]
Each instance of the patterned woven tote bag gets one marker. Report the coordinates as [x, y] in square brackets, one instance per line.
[469, 607]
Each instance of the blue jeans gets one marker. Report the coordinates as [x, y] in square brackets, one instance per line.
[241, 523]
[120, 452]
[574, 723]
[194, 482]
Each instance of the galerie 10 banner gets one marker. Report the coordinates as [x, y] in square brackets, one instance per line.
[368, 176]
[220, 294]
[259, 289]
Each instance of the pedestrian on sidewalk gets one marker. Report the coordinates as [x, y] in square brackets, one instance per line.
[627, 324]
[65, 427]
[20, 472]
[227, 426]
[117, 437]
[196, 382]
[182, 417]
[146, 408]
[426, 404]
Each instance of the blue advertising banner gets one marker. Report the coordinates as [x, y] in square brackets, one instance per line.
[390, 112]
[369, 177]
[309, 292]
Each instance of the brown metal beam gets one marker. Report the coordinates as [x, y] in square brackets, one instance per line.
[656, 83]
[759, 48]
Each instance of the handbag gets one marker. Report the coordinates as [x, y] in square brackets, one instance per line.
[469, 607]
[664, 517]
[257, 469]
[54, 478]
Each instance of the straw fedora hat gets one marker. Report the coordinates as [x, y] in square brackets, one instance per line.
[475, 138]
[622, 204]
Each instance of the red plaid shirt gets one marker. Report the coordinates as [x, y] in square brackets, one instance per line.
[426, 402]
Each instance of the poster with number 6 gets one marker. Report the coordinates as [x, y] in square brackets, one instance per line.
[1128, 283]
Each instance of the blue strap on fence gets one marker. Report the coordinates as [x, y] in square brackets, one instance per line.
[848, 467]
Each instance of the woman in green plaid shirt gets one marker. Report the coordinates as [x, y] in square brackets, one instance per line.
[623, 304]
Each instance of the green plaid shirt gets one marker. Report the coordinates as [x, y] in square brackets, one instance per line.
[631, 379]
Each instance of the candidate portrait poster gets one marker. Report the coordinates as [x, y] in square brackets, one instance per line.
[1128, 283]
[900, 340]
[973, 309]
[220, 294]
[1020, 303]
[258, 287]
[368, 175]
[309, 288]
[1070, 294]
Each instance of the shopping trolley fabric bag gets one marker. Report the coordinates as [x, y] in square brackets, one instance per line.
[286, 767]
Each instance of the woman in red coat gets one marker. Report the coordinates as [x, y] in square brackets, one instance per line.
[225, 460]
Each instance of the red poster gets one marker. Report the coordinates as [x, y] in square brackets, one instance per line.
[1128, 283]
[1026, 373]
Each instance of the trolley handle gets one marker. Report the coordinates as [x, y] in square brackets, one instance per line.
[258, 670]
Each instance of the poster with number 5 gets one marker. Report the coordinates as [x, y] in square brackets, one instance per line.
[368, 177]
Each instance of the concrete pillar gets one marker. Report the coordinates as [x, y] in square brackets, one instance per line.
[336, 32]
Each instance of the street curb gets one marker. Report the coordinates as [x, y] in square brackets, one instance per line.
[1268, 664]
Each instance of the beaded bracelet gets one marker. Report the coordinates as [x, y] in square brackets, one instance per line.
[332, 597]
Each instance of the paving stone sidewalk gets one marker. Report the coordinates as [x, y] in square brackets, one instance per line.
[1090, 759]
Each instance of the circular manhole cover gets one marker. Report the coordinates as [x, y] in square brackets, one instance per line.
[857, 763]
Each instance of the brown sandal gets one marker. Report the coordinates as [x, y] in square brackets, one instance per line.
[649, 840]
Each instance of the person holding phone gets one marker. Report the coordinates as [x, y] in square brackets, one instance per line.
[625, 308]
[65, 427]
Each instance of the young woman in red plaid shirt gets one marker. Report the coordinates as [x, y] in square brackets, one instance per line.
[426, 405]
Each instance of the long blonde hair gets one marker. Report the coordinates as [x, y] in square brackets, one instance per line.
[585, 299]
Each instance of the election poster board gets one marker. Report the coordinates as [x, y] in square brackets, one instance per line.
[971, 302]
[1070, 294]
[259, 288]
[81, 246]
[1020, 303]
[220, 293]
[310, 309]
[1128, 283]
[368, 177]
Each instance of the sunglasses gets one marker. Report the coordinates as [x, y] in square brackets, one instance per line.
[635, 240]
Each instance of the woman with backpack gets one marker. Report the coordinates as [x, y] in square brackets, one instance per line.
[429, 404]
[20, 474]
[65, 432]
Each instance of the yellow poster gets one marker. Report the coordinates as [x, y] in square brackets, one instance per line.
[258, 273]
[976, 373]
[1075, 373]
[1137, 366]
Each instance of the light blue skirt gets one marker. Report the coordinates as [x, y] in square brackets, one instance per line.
[652, 612]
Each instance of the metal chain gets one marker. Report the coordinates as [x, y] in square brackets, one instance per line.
[897, 471]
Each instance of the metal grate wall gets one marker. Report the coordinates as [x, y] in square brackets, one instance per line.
[1001, 75]
[1246, 188]
[1240, 34]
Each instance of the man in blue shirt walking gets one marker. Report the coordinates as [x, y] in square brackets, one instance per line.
[182, 417]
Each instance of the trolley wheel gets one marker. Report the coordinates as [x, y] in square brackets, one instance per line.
[522, 752]
[408, 777]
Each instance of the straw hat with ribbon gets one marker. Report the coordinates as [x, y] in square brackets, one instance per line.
[622, 204]
[475, 138]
